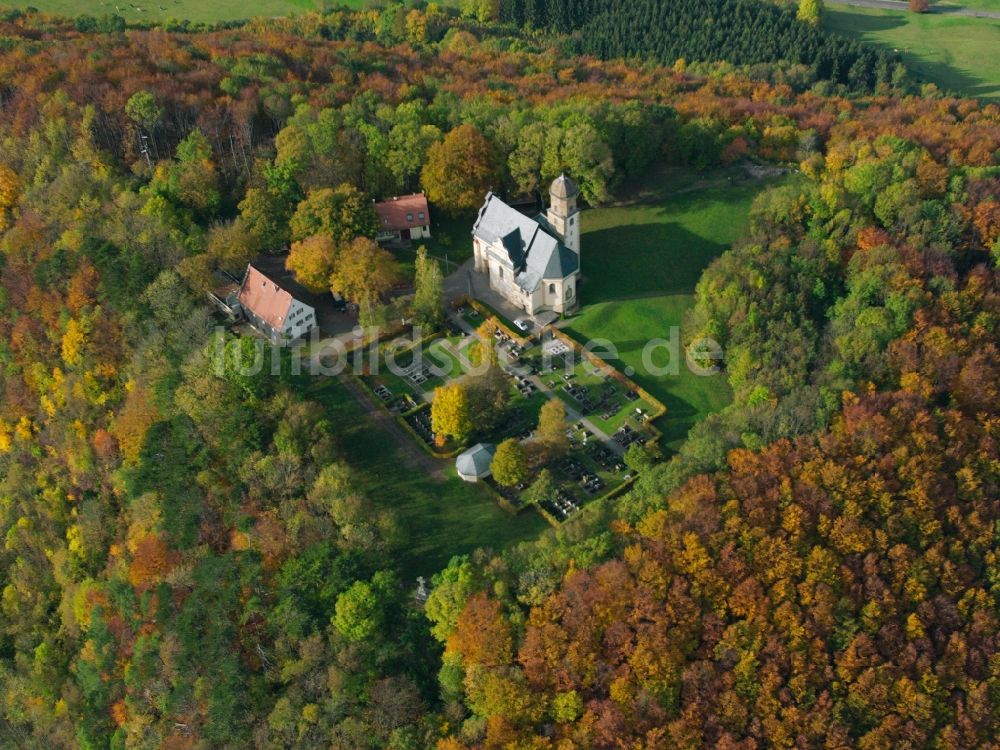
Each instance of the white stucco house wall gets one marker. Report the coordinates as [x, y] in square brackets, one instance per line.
[273, 310]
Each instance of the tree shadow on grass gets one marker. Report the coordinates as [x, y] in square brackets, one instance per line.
[850, 23]
[854, 25]
[439, 520]
[639, 260]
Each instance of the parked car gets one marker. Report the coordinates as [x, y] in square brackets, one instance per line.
[523, 323]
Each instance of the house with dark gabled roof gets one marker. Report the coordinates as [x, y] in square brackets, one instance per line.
[533, 263]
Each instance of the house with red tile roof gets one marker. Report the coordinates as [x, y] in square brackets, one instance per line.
[403, 219]
[273, 310]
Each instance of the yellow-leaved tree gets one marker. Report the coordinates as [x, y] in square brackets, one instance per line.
[510, 465]
[552, 428]
[73, 341]
[137, 415]
[10, 187]
[364, 273]
[312, 261]
[810, 11]
[450, 413]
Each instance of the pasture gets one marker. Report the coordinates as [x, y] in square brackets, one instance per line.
[956, 53]
[204, 11]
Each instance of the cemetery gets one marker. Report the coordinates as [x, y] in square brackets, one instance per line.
[605, 412]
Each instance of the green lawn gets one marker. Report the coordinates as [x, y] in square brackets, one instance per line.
[630, 324]
[958, 54]
[990, 5]
[451, 238]
[640, 265]
[660, 248]
[438, 519]
[206, 11]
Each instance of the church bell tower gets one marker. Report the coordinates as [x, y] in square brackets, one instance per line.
[563, 215]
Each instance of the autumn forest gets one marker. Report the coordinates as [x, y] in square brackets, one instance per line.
[188, 560]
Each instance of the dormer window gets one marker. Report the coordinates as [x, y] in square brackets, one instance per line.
[409, 217]
[420, 216]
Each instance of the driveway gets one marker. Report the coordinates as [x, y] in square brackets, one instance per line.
[467, 281]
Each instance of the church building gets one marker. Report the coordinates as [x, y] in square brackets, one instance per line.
[533, 263]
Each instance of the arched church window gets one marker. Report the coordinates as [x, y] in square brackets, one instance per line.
[552, 288]
[569, 292]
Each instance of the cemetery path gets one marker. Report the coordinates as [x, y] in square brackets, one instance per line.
[413, 456]
[572, 415]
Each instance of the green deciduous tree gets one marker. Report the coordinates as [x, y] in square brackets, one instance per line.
[461, 169]
[186, 188]
[428, 300]
[510, 466]
[359, 611]
[543, 488]
[340, 213]
[637, 458]
[451, 588]
[264, 215]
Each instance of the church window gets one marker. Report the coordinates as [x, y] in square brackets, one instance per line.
[552, 288]
[569, 292]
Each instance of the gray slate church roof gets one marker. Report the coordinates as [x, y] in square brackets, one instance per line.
[533, 249]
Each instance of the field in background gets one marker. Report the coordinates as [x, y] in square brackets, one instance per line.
[193, 10]
[990, 5]
[957, 53]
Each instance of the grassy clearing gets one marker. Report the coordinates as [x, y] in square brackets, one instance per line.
[641, 262]
[989, 5]
[956, 53]
[661, 248]
[439, 519]
[193, 10]
[688, 398]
